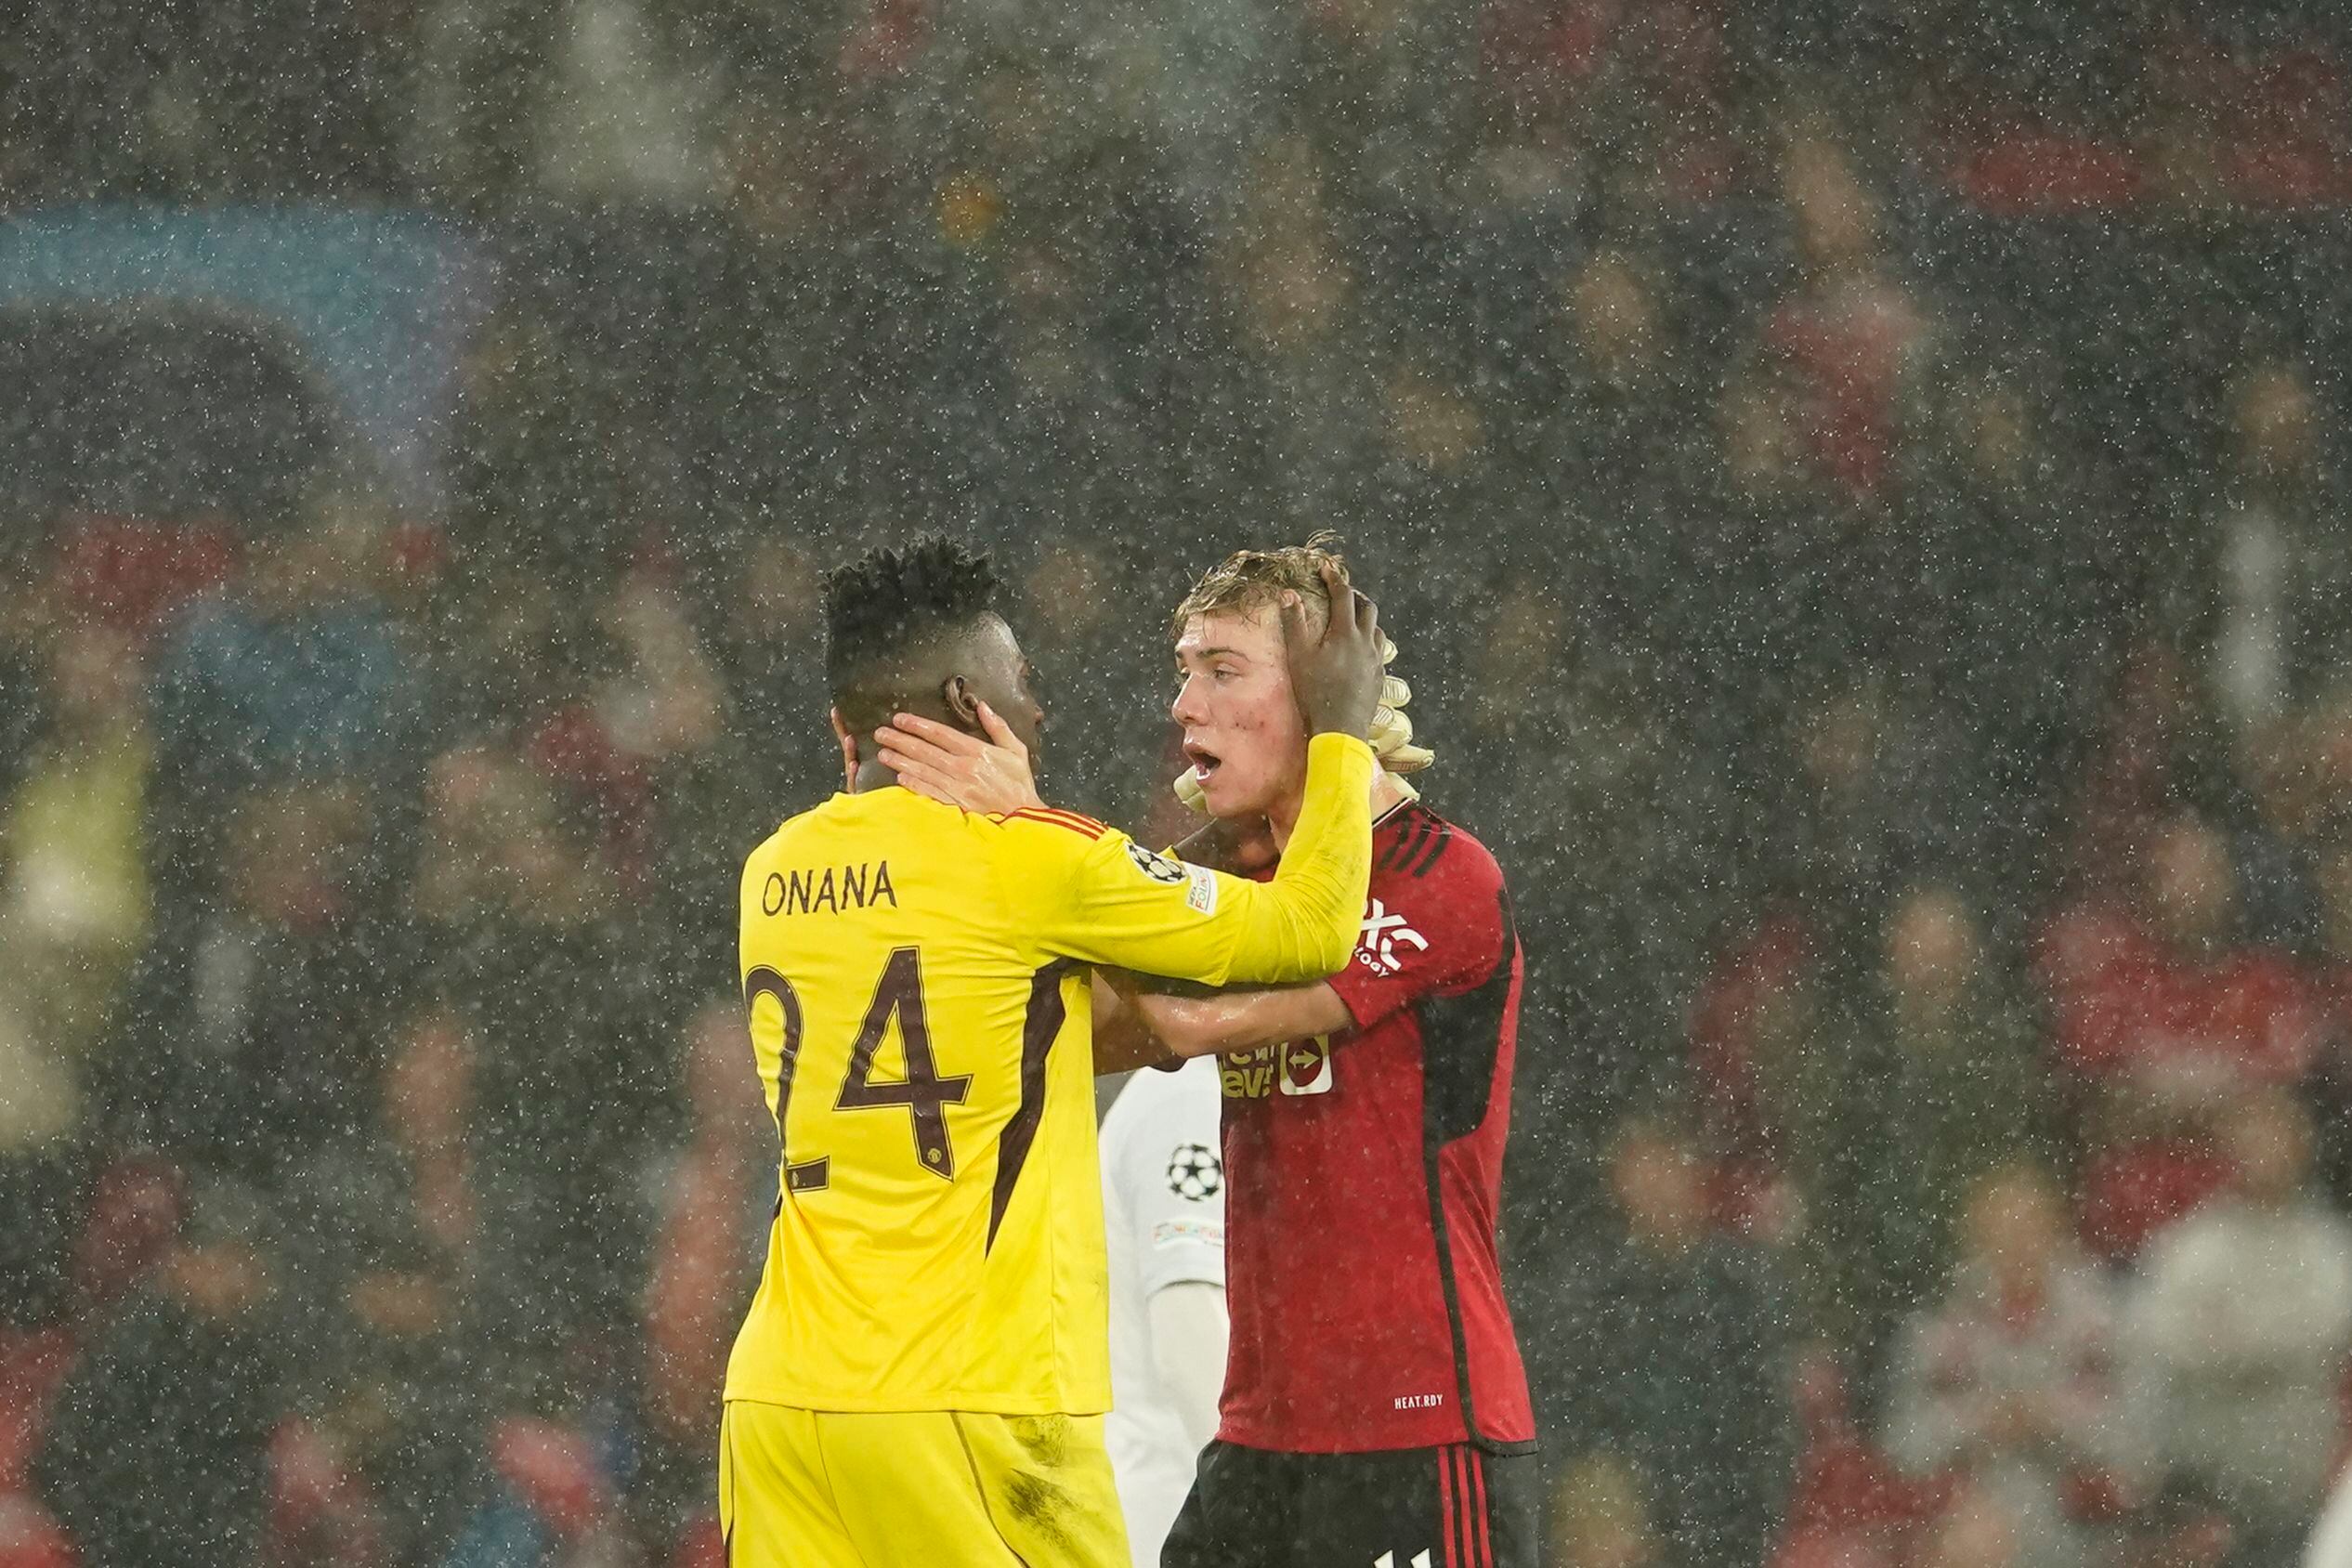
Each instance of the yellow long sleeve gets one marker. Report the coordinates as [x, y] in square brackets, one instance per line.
[1110, 900]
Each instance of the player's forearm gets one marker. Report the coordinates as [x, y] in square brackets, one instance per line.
[1314, 904]
[1123, 1041]
[1218, 1025]
[1186, 1026]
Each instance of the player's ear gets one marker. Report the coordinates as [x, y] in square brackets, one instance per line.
[963, 703]
[849, 751]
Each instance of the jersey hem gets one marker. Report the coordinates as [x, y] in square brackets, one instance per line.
[1241, 1439]
[969, 1403]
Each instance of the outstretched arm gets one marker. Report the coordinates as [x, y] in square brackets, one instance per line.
[943, 763]
[1233, 1021]
[1085, 892]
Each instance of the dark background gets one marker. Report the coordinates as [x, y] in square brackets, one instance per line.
[1860, 490]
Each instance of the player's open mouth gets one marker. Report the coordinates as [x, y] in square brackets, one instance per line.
[1204, 762]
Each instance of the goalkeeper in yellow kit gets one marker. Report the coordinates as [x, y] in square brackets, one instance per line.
[920, 1381]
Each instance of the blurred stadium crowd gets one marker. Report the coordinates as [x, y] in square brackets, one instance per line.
[1860, 490]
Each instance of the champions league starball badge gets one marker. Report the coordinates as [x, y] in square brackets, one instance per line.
[1194, 1172]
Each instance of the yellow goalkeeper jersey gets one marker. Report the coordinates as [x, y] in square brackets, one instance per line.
[918, 981]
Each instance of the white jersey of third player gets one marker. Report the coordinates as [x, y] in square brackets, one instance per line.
[1164, 1223]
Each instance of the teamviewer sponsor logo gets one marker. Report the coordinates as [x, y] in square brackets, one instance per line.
[1381, 939]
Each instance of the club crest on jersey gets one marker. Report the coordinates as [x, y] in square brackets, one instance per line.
[1153, 864]
[1381, 940]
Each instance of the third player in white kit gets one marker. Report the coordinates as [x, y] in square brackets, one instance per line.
[1164, 1232]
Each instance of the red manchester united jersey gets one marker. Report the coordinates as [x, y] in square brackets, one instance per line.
[1362, 1175]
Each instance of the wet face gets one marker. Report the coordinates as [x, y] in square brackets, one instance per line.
[993, 670]
[1243, 732]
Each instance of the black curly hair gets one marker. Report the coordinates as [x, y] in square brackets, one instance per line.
[881, 605]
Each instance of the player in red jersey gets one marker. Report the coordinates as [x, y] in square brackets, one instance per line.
[1374, 1408]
